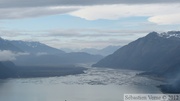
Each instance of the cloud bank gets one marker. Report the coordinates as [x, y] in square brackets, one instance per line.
[168, 19]
[158, 11]
[160, 14]
[6, 55]
[91, 33]
[17, 13]
[48, 3]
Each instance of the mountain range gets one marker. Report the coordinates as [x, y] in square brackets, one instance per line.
[7, 45]
[56, 59]
[104, 51]
[34, 59]
[35, 47]
[156, 52]
[39, 54]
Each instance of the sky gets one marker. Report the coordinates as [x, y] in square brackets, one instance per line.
[78, 24]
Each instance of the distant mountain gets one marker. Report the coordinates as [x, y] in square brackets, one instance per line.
[42, 60]
[36, 47]
[155, 52]
[6, 45]
[104, 52]
[109, 50]
[30, 47]
[57, 60]
[67, 50]
[82, 57]
[44, 55]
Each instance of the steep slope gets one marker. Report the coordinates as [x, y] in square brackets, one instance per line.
[7, 69]
[150, 53]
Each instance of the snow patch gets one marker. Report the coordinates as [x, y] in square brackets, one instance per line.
[170, 34]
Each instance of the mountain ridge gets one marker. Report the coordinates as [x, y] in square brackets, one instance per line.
[39, 54]
[104, 51]
[7, 45]
[147, 53]
[35, 47]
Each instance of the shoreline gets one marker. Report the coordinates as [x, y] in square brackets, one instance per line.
[165, 88]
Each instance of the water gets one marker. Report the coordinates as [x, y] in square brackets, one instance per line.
[94, 85]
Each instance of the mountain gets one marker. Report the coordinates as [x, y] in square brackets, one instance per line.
[68, 50]
[44, 55]
[7, 69]
[57, 60]
[108, 50]
[155, 52]
[104, 52]
[82, 57]
[42, 60]
[6, 45]
[36, 47]
[29, 47]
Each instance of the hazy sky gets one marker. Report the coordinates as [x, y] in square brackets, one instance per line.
[86, 23]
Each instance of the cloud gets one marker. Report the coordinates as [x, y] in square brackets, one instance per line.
[6, 55]
[10, 33]
[91, 9]
[114, 12]
[163, 14]
[99, 39]
[92, 33]
[47, 3]
[41, 53]
[20, 54]
[82, 38]
[96, 43]
[16, 9]
[17, 13]
[165, 19]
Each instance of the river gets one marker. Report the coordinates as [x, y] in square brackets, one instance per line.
[94, 85]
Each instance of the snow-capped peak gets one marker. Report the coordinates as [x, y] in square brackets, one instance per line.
[170, 34]
[31, 44]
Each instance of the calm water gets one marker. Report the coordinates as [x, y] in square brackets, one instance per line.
[94, 85]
